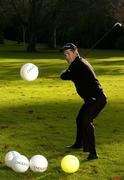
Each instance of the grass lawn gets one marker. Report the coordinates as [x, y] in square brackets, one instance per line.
[39, 117]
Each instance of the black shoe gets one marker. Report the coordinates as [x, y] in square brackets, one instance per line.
[74, 146]
[92, 156]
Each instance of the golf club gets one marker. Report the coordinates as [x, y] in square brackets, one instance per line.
[99, 40]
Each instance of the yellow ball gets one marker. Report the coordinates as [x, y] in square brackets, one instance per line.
[70, 164]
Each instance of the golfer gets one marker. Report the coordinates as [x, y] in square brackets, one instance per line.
[90, 90]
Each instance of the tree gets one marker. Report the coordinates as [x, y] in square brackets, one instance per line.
[21, 16]
[119, 11]
[84, 21]
[119, 16]
[31, 14]
[6, 14]
[59, 21]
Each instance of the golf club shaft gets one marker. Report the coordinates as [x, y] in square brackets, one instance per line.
[99, 40]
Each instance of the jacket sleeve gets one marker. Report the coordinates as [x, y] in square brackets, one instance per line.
[65, 75]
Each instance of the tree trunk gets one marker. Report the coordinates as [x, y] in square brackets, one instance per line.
[24, 34]
[1, 37]
[32, 27]
[32, 43]
[54, 38]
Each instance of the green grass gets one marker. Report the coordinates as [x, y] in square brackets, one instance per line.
[39, 117]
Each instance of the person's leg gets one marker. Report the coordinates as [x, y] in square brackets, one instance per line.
[79, 139]
[88, 112]
[91, 142]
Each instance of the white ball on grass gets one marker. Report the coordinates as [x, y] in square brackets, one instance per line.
[29, 72]
[9, 157]
[20, 164]
[38, 163]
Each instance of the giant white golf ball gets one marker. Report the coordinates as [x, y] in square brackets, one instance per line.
[70, 164]
[29, 72]
[20, 164]
[9, 157]
[38, 163]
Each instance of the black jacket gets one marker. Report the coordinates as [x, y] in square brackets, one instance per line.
[84, 78]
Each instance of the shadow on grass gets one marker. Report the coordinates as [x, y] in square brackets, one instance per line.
[46, 54]
[112, 71]
[56, 54]
[11, 71]
[52, 122]
[48, 128]
[101, 54]
[50, 69]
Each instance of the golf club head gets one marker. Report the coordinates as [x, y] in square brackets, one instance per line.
[117, 24]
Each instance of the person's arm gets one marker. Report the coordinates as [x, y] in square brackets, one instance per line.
[65, 75]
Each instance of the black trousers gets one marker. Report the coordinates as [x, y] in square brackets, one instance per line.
[85, 129]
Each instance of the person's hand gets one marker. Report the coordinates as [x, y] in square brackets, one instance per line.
[65, 74]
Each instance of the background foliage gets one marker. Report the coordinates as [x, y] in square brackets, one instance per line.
[55, 22]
